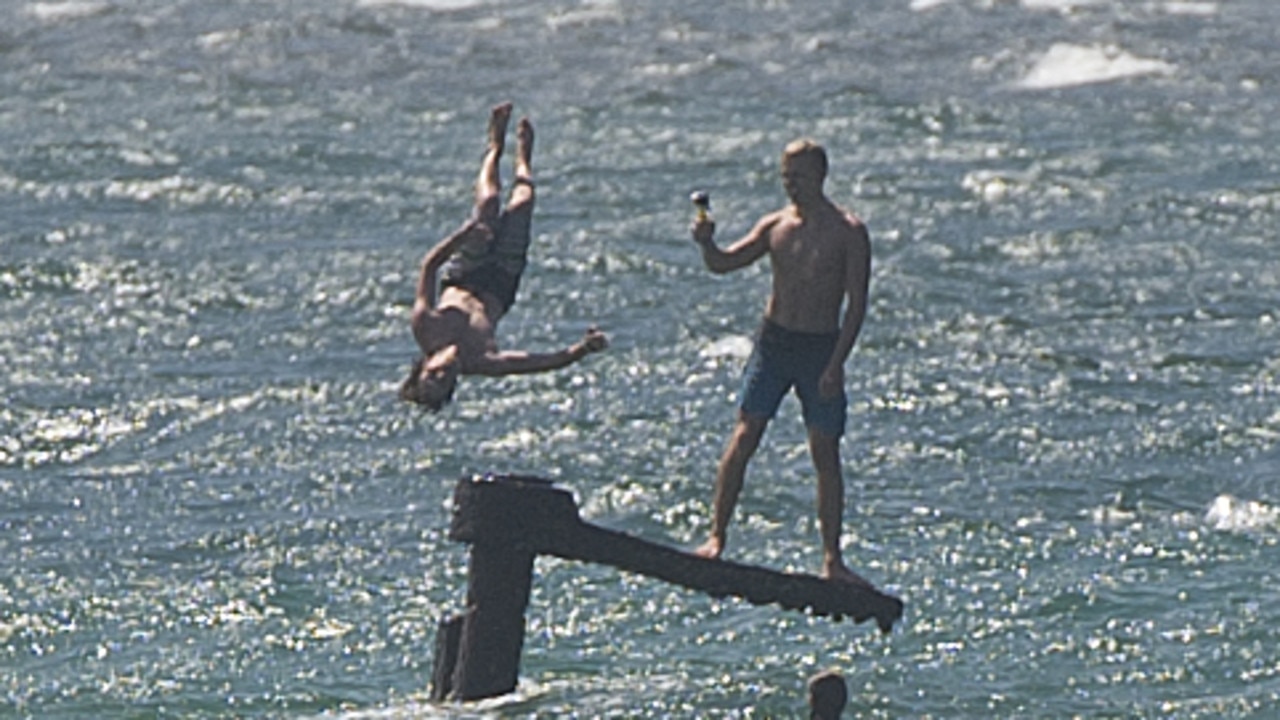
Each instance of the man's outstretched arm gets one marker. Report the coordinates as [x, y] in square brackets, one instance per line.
[425, 295]
[518, 362]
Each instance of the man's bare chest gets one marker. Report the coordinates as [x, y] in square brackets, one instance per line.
[806, 254]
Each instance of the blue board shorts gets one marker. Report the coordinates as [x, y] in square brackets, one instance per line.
[783, 359]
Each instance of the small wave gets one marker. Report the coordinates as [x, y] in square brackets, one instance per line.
[1121, 510]
[1190, 8]
[59, 11]
[606, 12]
[1230, 514]
[1063, 6]
[1066, 65]
[733, 346]
[425, 4]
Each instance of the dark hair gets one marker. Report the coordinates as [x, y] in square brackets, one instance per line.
[411, 389]
[827, 695]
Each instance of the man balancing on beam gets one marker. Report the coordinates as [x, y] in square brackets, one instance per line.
[479, 267]
[821, 259]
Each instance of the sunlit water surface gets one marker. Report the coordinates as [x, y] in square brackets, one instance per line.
[1063, 435]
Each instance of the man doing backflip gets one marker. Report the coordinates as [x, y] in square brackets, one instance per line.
[479, 268]
[821, 260]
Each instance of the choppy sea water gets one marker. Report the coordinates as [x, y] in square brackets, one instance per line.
[1063, 441]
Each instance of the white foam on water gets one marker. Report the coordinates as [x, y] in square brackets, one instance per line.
[576, 18]
[218, 40]
[424, 4]
[1067, 65]
[922, 5]
[732, 346]
[71, 10]
[1189, 8]
[1058, 5]
[1231, 514]
[593, 12]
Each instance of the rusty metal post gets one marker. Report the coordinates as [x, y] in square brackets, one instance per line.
[503, 518]
[492, 634]
[448, 637]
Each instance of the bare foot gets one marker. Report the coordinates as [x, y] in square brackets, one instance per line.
[498, 119]
[710, 549]
[524, 150]
[838, 572]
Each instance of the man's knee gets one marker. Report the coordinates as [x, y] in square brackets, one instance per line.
[824, 448]
[521, 198]
[825, 419]
[488, 209]
[748, 431]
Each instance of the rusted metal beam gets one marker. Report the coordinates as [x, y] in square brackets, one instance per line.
[510, 519]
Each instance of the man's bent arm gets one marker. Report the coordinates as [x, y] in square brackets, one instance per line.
[753, 246]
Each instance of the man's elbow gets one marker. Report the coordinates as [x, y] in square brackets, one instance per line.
[430, 264]
[720, 266]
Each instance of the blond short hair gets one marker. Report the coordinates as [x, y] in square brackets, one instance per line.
[806, 149]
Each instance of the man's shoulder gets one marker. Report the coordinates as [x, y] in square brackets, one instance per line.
[852, 226]
[847, 216]
[777, 219]
[423, 314]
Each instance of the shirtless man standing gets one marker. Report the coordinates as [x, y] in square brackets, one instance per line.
[821, 259]
[479, 267]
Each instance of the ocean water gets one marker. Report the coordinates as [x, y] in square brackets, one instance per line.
[1064, 438]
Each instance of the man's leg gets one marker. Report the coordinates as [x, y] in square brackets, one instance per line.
[733, 468]
[522, 191]
[482, 226]
[825, 450]
[488, 182]
[515, 229]
[480, 229]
